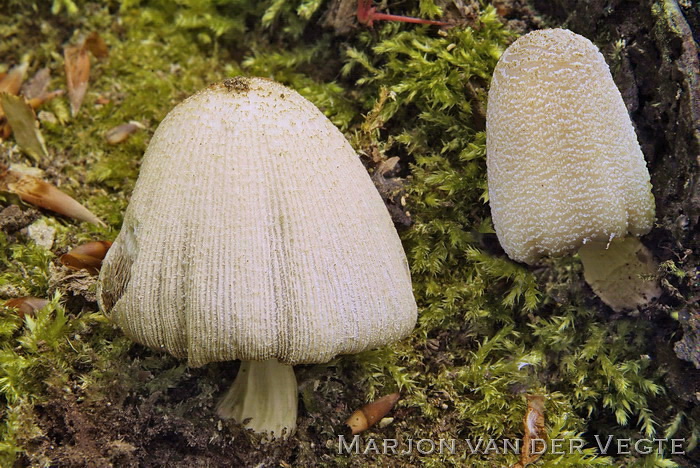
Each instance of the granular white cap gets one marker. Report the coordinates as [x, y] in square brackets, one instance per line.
[564, 165]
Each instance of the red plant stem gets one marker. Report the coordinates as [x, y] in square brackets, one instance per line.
[404, 19]
[364, 12]
[367, 15]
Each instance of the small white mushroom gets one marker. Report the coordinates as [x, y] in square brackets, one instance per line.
[564, 165]
[255, 233]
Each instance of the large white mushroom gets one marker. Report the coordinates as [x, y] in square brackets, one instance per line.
[255, 233]
[564, 166]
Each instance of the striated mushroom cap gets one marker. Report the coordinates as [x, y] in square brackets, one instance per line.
[254, 233]
[564, 165]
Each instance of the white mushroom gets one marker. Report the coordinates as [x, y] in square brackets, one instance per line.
[564, 165]
[255, 233]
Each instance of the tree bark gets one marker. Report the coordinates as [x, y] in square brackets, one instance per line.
[652, 47]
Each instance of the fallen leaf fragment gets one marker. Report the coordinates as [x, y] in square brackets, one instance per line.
[77, 65]
[385, 422]
[387, 166]
[36, 90]
[27, 305]
[23, 169]
[503, 7]
[22, 120]
[44, 195]
[367, 416]
[87, 256]
[121, 132]
[12, 81]
[623, 274]
[39, 100]
[42, 234]
[37, 85]
[535, 436]
[5, 130]
[96, 45]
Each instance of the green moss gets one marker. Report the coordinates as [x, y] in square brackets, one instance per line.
[497, 335]
[25, 267]
[75, 353]
[39, 358]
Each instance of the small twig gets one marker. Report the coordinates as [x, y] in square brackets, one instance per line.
[367, 15]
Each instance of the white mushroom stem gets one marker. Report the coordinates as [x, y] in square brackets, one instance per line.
[263, 398]
[621, 272]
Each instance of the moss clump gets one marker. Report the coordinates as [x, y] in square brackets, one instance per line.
[26, 267]
[486, 330]
[43, 357]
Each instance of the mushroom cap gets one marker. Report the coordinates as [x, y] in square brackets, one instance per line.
[564, 165]
[254, 232]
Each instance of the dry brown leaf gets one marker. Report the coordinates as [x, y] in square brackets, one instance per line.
[77, 65]
[387, 166]
[36, 102]
[27, 305]
[121, 132]
[96, 45]
[87, 256]
[535, 437]
[20, 116]
[12, 81]
[367, 416]
[44, 195]
[37, 85]
[622, 273]
[33, 90]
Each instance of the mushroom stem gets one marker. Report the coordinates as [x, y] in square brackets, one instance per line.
[622, 272]
[263, 398]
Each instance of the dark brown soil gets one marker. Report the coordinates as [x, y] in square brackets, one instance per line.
[13, 218]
